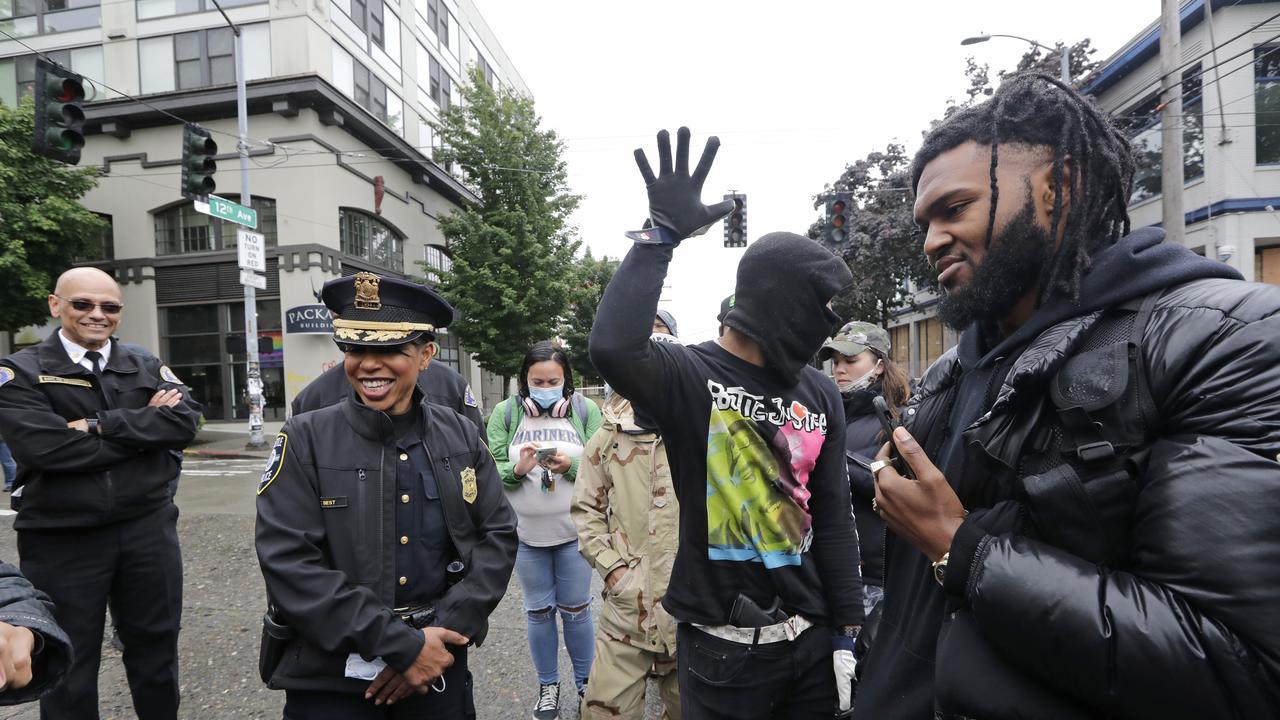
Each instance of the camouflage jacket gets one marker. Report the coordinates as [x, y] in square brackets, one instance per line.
[625, 510]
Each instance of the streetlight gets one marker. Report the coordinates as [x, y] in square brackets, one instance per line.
[1064, 54]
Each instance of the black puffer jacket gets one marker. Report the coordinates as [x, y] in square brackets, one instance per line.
[863, 437]
[1178, 617]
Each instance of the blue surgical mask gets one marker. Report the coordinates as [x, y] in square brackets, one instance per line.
[546, 397]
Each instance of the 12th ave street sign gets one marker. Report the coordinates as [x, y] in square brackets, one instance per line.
[228, 210]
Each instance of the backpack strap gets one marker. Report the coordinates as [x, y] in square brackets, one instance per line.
[579, 405]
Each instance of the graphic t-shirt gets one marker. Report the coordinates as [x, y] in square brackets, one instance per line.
[758, 466]
[542, 500]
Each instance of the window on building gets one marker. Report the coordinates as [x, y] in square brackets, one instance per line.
[18, 74]
[900, 345]
[933, 342]
[23, 18]
[1266, 265]
[435, 262]
[1144, 127]
[102, 246]
[202, 58]
[486, 70]
[441, 85]
[449, 349]
[148, 9]
[372, 94]
[1266, 79]
[183, 229]
[366, 237]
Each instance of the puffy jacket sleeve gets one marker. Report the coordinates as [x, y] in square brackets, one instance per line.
[317, 600]
[590, 507]
[22, 605]
[1189, 627]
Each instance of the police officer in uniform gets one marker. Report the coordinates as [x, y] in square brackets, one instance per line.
[439, 382]
[95, 425]
[383, 532]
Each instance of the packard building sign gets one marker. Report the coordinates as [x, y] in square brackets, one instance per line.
[308, 320]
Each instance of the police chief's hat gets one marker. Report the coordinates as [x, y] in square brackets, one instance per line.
[383, 311]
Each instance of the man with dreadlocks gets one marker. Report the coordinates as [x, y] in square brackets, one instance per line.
[1092, 527]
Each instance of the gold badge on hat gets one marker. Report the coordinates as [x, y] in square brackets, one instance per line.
[367, 291]
[469, 489]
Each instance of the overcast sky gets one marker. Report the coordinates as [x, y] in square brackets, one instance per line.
[795, 91]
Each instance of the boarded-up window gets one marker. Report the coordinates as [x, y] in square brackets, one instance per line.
[1266, 266]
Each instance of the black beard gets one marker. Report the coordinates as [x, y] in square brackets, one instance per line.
[1010, 269]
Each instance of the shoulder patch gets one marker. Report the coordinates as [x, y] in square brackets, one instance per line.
[469, 399]
[168, 375]
[7, 374]
[274, 462]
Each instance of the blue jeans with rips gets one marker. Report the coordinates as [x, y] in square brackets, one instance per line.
[557, 577]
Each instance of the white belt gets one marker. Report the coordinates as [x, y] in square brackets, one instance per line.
[787, 630]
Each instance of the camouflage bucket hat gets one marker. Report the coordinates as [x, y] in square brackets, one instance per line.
[854, 338]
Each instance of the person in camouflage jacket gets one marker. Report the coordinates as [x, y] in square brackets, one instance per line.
[624, 506]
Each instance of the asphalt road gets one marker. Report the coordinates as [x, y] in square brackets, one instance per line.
[223, 602]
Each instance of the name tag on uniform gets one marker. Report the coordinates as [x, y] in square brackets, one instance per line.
[333, 502]
[63, 380]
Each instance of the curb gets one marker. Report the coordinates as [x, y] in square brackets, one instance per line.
[226, 454]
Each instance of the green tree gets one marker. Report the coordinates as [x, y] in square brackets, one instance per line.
[43, 226]
[592, 276]
[513, 254]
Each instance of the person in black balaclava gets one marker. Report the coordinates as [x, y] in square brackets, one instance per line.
[764, 587]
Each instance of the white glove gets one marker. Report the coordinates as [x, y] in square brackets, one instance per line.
[845, 665]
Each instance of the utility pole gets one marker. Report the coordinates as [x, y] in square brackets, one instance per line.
[254, 371]
[1171, 179]
[1064, 63]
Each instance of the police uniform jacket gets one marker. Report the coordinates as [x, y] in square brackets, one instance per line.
[70, 478]
[326, 538]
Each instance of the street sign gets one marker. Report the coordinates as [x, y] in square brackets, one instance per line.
[252, 249]
[228, 210]
[253, 279]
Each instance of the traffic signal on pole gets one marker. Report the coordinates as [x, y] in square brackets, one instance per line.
[198, 165]
[839, 214]
[59, 130]
[735, 223]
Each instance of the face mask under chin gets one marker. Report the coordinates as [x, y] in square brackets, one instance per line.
[861, 383]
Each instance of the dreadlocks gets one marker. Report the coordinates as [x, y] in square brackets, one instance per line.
[1037, 110]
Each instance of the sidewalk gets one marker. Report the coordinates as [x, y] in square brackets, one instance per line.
[227, 439]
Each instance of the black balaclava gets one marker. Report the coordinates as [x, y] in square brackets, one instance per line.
[785, 282]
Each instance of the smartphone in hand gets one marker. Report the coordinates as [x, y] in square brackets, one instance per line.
[888, 424]
[545, 454]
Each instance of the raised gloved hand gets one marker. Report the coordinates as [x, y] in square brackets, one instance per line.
[675, 196]
[846, 667]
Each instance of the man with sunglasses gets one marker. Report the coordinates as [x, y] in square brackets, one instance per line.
[94, 423]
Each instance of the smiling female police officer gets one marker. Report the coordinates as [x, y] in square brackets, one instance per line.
[383, 533]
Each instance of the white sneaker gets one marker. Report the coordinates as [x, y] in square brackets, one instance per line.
[548, 707]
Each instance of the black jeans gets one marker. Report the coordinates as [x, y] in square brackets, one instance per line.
[136, 564]
[778, 681]
[455, 703]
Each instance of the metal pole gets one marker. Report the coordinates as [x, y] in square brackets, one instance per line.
[1064, 63]
[1171, 178]
[1213, 46]
[250, 295]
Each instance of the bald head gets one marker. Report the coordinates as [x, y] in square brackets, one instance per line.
[87, 279]
[89, 325]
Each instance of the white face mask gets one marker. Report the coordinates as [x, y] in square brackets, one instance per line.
[664, 337]
[861, 383]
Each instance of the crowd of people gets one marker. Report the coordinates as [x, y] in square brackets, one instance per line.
[1072, 514]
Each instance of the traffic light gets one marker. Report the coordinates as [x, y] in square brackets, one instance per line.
[198, 165]
[59, 130]
[839, 209]
[735, 223]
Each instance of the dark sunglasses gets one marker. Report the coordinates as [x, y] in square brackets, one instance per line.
[109, 308]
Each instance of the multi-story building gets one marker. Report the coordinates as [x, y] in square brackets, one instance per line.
[1231, 146]
[340, 94]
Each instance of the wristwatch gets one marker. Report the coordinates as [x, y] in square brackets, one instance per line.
[93, 425]
[849, 631]
[940, 568]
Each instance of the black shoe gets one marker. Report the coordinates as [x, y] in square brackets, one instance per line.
[548, 707]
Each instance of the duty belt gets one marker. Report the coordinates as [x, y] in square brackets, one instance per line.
[416, 615]
[784, 631]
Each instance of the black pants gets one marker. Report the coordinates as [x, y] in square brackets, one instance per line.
[137, 566]
[782, 681]
[455, 703]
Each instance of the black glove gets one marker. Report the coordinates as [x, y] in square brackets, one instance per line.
[675, 196]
